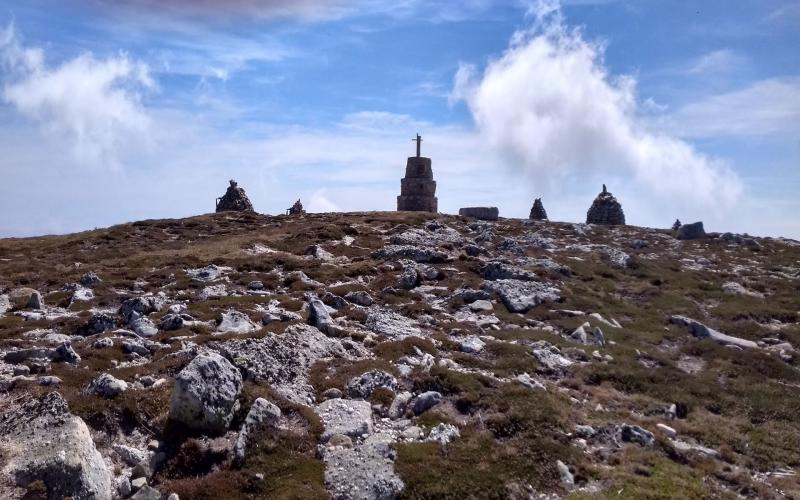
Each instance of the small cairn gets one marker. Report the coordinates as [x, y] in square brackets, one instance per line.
[677, 225]
[234, 200]
[296, 209]
[538, 212]
[606, 210]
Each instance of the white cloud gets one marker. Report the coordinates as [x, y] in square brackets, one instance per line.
[551, 106]
[91, 105]
[716, 62]
[764, 108]
[320, 203]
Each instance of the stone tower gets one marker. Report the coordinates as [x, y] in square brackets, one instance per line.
[538, 212]
[606, 210]
[417, 188]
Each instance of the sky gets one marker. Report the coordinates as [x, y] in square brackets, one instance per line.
[120, 110]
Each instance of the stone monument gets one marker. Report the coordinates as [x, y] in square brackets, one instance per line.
[538, 212]
[606, 210]
[234, 200]
[296, 209]
[417, 188]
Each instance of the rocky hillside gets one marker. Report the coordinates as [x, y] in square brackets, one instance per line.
[397, 355]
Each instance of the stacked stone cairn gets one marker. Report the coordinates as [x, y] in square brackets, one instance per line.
[296, 209]
[606, 210]
[538, 212]
[234, 200]
[418, 189]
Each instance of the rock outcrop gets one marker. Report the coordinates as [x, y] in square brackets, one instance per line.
[606, 210]
[537, 211]
[234, 200]
[42, 441]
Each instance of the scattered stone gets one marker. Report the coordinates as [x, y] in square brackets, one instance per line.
[700, 330]
[691, 231]
[320, 318]
[635, 434]
[90, 280]
[537, 211]
[234, 321]
[124, 487]
[317, 252]
[147, 493]
[480, 213]
[443, 434]
[49, 380]
[140, 305]
[426, 401]
[685, 447]
[567, 479]
[500, 271]
[606, 210]
[391, 324]
[42, 441]
[481, 306]
[733, 288]
[107, 386]
[363, 472]
[343, 416]
[363, 386]
[255, 285]
[332, 393]
[360, 298]
[99, 323]
[415, 253]
[521, 296]
[142, 325]
[262, 414]
[398, 407]
[234, 200]
[471, 344]
[205, 393]
[669, 431]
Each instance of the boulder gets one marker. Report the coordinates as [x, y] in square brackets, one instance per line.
[25, 298]
[443, 434]
[140, 305]
[107, 386]
[99, 323]
[360, 298]
[693, 231]
[206, 393]
[480, 213]
[42, 441]
[426, 401]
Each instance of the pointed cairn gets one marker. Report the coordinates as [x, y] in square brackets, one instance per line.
[296, 209]
[606, 210]
[234, 200]
[538, 212]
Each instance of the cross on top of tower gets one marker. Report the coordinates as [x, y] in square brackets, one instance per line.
[418, 140]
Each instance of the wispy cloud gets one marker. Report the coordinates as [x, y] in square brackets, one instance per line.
[764, 108]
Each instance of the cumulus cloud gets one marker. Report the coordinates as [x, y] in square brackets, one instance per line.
[92, 105]
[552, 107]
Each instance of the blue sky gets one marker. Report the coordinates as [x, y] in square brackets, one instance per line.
[112, 111]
